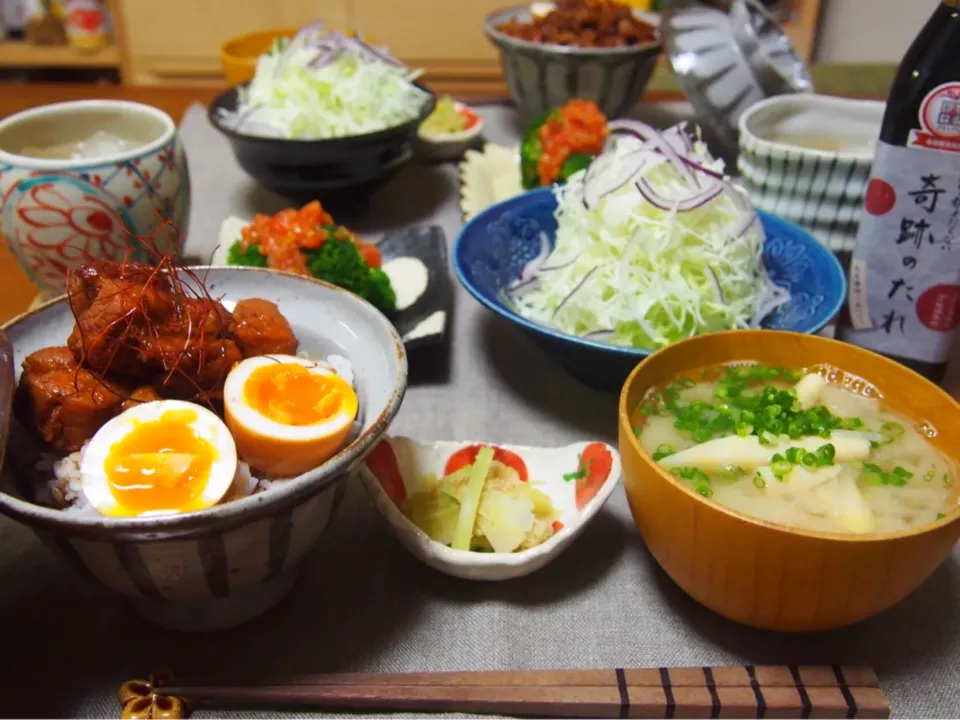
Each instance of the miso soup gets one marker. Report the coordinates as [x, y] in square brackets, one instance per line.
[815, 449]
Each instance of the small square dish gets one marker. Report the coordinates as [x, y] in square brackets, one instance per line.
[535, 500]
[416, 261]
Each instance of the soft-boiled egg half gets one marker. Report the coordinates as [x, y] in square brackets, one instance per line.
[159, 458]
[287, 414]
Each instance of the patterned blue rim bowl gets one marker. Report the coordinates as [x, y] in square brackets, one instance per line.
[493, 247]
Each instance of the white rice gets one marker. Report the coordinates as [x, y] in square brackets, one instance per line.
[59, 482]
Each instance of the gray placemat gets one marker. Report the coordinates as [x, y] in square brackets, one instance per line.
[364, 604]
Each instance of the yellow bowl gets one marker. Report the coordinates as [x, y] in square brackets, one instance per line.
[770, 576]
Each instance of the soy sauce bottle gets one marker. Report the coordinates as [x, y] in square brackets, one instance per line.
[904, 297]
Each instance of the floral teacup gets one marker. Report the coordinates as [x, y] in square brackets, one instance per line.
[127, 196]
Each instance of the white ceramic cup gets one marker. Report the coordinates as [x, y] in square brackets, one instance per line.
[58, 213]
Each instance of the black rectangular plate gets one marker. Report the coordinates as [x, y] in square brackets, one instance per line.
[428, 245]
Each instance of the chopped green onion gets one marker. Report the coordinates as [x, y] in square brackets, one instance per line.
[875, 475]
[702, 434]
[781, 468]
[826, 454]
[759, 482]
[809, 461]
[891, 431]
[731, 473]
[662, 451]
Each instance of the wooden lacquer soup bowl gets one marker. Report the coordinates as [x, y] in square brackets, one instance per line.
[771, 576]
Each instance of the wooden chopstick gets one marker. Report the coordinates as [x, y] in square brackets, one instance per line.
[745, 691]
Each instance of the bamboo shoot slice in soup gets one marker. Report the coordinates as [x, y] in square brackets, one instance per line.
[796, 448]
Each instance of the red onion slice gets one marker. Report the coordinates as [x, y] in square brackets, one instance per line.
[607, 173]
[589, 274]
[601, 335]
[679, 138]
[532, 268]
[747, 217]
[712, 274]
[313, 31]
[324, 57]
[703, 169]
[377, 53]
[561, 266]
[648, 134]
[685, 204]
[522, 288]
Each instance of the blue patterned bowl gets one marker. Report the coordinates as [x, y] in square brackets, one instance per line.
[494, 246]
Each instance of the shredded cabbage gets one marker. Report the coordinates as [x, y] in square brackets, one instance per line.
[292, 95]
[629, 273]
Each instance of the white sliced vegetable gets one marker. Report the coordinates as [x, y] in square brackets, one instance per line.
[656, 275]
[434, 513]
[847, 403]
[798, 479]
[860, 435]
[470, 501]
[842, 499]
[505, 520]
[356, 92]
[808, 390]
[747, 452]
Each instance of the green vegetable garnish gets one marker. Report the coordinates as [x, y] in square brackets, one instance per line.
[892, 430]
[808, 461]
[530, 149]
[581, 473]
[746, 404]
[340, 263]
[873, 474]
[662, 451]
[697, 478]
[826, 454]
[337, 262]
[574, 163]
[444, 119]
[470, 501]
[251, 257]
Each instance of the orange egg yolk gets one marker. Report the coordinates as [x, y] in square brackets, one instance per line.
[160, 464]
[291, 394]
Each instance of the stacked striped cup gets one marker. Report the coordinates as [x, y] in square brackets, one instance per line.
[807, 158]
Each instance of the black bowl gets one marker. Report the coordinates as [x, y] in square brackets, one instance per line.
[334, 171]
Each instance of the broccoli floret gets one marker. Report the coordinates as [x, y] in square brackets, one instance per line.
[530, 150]
[251, 257]
[576, 162]
[340, 263]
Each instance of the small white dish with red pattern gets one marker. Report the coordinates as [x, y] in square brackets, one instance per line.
[578, 479]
